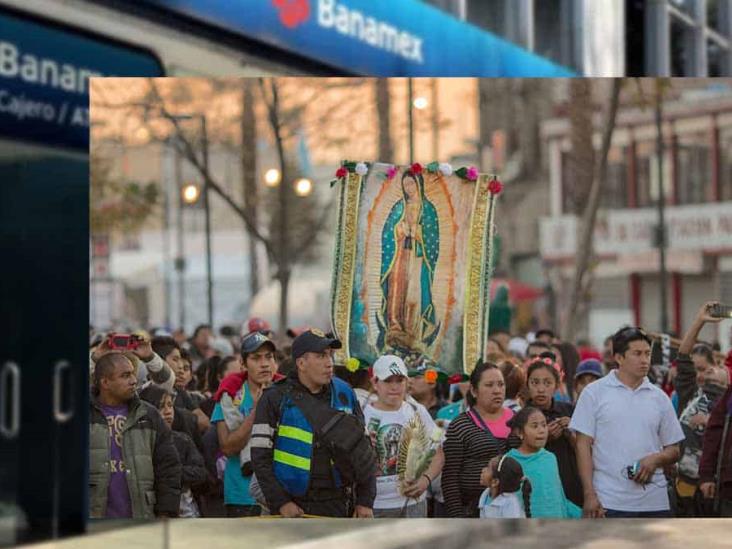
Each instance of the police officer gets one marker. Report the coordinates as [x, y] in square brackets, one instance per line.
[294, 467]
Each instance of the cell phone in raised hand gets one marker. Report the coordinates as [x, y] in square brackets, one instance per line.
[720, 311]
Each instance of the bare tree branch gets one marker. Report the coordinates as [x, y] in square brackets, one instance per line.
[585, 250]
[185, 147]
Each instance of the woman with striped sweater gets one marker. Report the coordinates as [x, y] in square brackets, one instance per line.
[474, 438]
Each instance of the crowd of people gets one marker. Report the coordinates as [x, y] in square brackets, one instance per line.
[254, 424]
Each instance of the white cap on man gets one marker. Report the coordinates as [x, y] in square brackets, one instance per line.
[387, 366]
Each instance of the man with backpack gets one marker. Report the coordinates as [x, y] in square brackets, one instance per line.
[308, 444]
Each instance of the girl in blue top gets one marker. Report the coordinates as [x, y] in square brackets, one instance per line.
[540, 466]
[504, 478]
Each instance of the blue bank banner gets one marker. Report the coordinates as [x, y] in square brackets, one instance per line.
[371, 37]
[44, 79]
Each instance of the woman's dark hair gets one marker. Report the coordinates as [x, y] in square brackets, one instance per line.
[515, 378]
[200, 377]
[570, 358]
[519, 421]
[164, 345]
[185, 354]
[475, 376]
[153, 394]
[539, 363]
[442, 389]
[510, 476]
[212, 368]
[418, 181]
[702, 349]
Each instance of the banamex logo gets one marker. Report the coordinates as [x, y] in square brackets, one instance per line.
[292, 12]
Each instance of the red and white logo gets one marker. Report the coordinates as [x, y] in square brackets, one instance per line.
[292, 12]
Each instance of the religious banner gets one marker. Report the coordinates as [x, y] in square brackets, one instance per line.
[412, 263]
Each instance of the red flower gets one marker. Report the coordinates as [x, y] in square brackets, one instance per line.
[416, 168]
[495, 186]
[455, 378]
[341, 172]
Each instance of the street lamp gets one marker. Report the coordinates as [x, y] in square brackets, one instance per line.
[420, 103]
[303, 186]
[272, 177]
[191, 193]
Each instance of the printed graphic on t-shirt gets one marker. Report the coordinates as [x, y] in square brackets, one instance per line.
[386, 440]
[118, 496]
[116, 423]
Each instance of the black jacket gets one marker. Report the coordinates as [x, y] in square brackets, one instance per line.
[685, 381]
[194, 472]
[268, 414]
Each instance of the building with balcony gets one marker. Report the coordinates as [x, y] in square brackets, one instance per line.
[696, 171]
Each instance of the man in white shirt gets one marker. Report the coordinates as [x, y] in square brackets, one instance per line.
[627, 433]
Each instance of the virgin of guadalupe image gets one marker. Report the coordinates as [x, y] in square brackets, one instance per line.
[410, 245]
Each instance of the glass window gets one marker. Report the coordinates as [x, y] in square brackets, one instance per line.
[567, 190]
[450, 6]
[682, 48]
[553, 31]
[694, 168]
[717, 58]
[635, 38]
[648, 176]
[489, 14]
[715, 15]
[614, 195]
[725, 163]
[687, 6]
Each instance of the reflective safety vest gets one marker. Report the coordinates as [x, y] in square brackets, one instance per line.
[293, 447]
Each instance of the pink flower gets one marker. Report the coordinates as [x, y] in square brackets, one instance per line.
[416, 168]
[341, 172]
[472, 173]
[495, 186]
[391, 172]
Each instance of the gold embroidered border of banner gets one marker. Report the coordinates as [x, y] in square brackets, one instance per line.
[488, 265]
[344, 265]
[477, 281]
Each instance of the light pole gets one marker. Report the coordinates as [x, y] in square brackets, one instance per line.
[207, 213]
[206, 208]
[661, 228]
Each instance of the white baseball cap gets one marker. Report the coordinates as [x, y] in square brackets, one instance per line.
[387, 366]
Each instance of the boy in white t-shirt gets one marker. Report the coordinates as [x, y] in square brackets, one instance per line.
[386, 419]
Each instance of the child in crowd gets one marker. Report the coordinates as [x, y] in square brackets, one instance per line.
[504, 477]
[194, 474]
[540, 466]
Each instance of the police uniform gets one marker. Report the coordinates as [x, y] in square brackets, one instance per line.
[289, 462]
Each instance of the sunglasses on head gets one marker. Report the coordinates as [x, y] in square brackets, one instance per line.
[632, 331]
